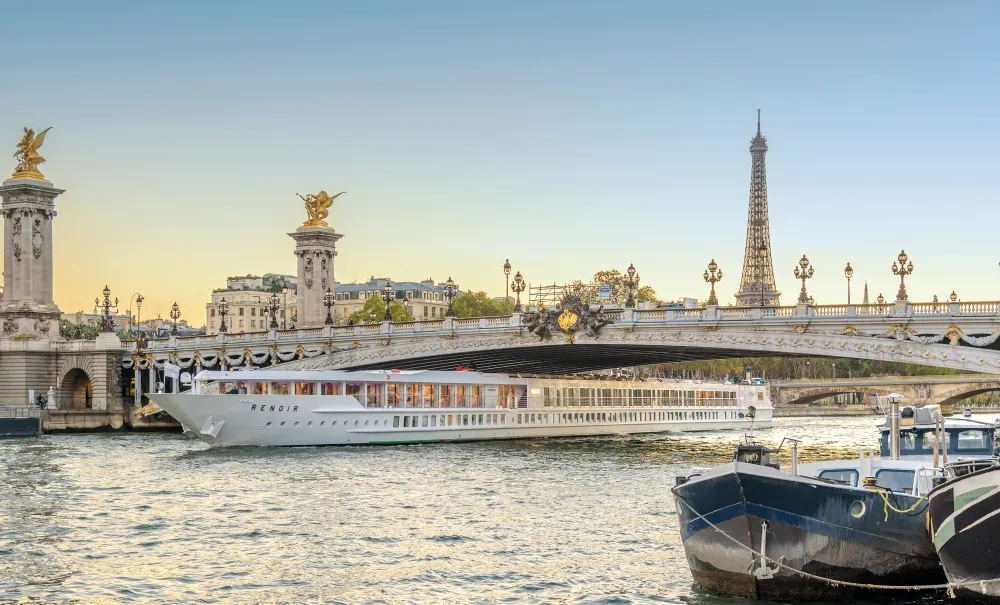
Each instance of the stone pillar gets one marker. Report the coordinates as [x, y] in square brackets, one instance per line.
[28, 307]
[315, 248]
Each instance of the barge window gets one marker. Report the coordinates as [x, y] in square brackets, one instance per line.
[395, 422]
[428, 395]
[303, 388]
[406, 422]
[393, 395]
[353, 389]
[279, 388]
[372, 398]
[461, 396]
[446, 392]
[423, 421]
[897, 480]
[258, 388]
[845, 476]
[476, 396]
[328, 388]
[412, 395]
[434, 420]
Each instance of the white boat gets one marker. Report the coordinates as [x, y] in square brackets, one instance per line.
[385, 407]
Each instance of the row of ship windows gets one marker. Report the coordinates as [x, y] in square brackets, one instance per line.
[430, 420]
[586, 396]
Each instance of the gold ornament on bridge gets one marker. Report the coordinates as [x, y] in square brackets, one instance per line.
[567, 320]
[318, 208]
[28, 157]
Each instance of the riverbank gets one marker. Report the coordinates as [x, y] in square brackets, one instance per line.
[99, 421]
[791, 411]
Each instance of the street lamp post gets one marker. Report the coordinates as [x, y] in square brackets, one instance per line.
[388, 295]
[804, 271]
[107, 323]
[273, 303]
[953, 297]
[506, 274]
[328, 303]
[137, 297]
[449, 293]
[175, 313]
[848, 273]
[902, 270]
[223, 311]
[631, 283]
[713, 275]
[518, 287]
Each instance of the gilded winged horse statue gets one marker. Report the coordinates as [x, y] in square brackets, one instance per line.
[318, 208]
[28, 157]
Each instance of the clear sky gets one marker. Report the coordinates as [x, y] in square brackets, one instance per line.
[568, 136]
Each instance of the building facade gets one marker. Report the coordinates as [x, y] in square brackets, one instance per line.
[248, 298]
[423, 299]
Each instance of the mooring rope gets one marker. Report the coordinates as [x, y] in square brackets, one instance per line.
[949, 586]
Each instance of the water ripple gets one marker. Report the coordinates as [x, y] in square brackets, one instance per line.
[159, 519]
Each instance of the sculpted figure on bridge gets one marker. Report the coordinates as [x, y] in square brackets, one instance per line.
[571, 316]
[318, 208]
[28, 157]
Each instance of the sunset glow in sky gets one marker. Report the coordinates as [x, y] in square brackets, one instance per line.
[568, 136]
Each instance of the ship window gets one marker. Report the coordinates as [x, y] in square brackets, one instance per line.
[428, 395]
[353, 389]
[465, 420]
[366, 422]
[406, 421]
[372, 398]
[322, 422]
[303, 388]
[973, 440]
[503, 418]
[328, 388]
[282, 423]
[310, 423]
[476, 395]
[519, 419]
[434, 420]
[279, 388]
[897, 480]
[845, 476]
[268, 424]
[393, 395]
[445, 399]
[423, 421]
[461, 396]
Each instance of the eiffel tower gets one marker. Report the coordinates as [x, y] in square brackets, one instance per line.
[757, 284]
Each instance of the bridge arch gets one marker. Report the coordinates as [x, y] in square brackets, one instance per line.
[807, 396]
[955, 396]
[76, 390]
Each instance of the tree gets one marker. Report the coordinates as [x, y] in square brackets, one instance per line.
[375, 305]
[72, 331]
[478, 304]
[619, 293]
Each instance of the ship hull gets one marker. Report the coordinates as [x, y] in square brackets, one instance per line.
[292, 420]
[809, 527]
[965, 516]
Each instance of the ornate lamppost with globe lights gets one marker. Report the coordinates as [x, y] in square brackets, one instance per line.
[223, 311]
[105, 307]
[273, 304]
[713, 275]
[631, 281]
[804, 271]
[449, 293]
[388, 295]
[517, 287]
[175, 313]
[506, 298]
[137, 297]
[848, 273]
[902, 270]
[328, 303]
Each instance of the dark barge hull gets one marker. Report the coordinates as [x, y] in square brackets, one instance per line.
[965, 517]
[809, 527]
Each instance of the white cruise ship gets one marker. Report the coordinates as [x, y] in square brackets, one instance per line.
[296, 408]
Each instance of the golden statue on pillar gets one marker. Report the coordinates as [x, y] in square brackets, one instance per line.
[317, 207]
[28, 157]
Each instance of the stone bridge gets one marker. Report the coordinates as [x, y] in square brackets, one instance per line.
[951, 335]
[916, 390]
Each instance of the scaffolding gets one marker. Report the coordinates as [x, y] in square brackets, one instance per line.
[551, 295]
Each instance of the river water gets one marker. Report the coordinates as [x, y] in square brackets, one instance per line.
[158, 518]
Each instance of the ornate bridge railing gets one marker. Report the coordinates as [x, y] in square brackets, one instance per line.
[973, 324]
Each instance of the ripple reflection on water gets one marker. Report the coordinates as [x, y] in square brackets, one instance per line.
[161, 519]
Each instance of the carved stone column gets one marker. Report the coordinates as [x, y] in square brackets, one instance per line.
[28, 307]
[315, 248]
